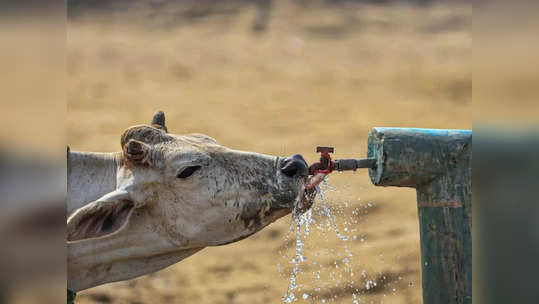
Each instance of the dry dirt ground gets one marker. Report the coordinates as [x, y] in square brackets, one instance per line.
[318, 76]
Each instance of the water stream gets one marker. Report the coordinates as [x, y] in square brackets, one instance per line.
[342, 260]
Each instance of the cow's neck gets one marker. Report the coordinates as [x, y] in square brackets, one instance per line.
[90, 175]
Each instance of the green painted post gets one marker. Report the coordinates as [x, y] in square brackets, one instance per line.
[438, 164]
[71, 297]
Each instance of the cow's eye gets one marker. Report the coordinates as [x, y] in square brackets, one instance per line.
[185, 173]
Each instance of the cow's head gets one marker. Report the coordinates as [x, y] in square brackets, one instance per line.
[189, 192]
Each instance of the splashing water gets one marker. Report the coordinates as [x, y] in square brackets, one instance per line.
[306, 217]
[344, 263]
[331, 217]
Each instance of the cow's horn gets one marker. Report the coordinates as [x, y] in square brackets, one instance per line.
[158, 120]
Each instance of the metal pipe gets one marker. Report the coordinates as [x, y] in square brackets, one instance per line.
[348, 164]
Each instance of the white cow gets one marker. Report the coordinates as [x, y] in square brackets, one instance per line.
[165, 197]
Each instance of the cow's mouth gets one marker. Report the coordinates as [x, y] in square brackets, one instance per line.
[305, 201]
[301, 181]
[308, 193]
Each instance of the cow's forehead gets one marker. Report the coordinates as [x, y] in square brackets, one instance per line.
[193, 140]
[197, 138]
[188, 144]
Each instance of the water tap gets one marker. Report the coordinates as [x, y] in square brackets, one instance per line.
[326, 165]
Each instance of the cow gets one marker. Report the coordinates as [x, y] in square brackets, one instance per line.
[165, 197]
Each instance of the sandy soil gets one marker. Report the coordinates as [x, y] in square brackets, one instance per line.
[317, 76]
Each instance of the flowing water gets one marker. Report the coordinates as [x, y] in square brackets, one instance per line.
[341, 273]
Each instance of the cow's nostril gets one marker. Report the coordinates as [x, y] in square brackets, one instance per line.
[289, 169]
[294, 166]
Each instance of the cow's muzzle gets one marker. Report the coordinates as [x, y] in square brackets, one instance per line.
[294, 166]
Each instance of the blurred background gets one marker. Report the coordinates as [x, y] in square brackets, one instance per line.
[277, 77]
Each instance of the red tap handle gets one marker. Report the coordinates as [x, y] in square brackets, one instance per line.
[330, 166]
[326, 165]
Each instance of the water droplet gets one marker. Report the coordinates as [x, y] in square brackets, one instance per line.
[368, 284]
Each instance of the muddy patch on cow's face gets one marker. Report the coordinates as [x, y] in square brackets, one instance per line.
[250, 215]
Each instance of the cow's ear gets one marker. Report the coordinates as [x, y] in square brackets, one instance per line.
[136, 152]
[102, 217]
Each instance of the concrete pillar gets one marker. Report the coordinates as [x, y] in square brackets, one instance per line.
[438, 164]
